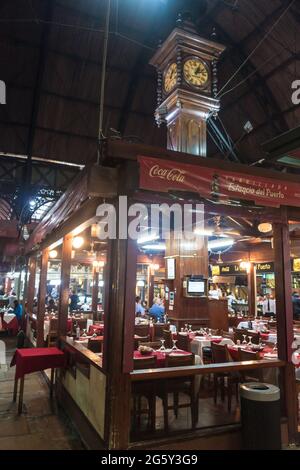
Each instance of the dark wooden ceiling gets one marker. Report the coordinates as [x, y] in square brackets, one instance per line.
[51, 54]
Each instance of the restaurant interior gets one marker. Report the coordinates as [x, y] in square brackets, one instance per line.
[156, 336]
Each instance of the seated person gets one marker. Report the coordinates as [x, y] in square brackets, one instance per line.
[51, 305]
[18, 311]
[157, 311]
[139, 309]
[74, 299]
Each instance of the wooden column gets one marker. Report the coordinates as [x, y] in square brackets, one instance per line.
[119, 329]
[151, 289]
[283, 290]
[42, 298]
[95, 292]
[284, 317]
[251, 280]
[31, 284]
[65, 285]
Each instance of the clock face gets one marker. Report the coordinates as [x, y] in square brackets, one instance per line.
[195, 72]
[170, 78]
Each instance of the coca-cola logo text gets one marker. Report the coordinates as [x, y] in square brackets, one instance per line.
[173, 174]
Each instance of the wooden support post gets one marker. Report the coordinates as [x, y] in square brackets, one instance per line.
[31, 284]
[151, 289]
[119, 327]
[284, 317]
[283, 290]
[251, 278]
[95, 292]
[42, 298]
[65, 285]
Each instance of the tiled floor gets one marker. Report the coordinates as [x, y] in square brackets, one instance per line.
[41, 426]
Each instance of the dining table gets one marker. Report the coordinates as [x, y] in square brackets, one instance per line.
[30, 360]
[10, 322]
[270, 375]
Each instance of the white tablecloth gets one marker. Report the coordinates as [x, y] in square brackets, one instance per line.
[199, 342]
[8, 317]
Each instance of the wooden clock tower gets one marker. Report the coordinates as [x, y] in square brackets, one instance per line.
[187, 87]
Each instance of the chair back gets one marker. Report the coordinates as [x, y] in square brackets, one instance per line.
[150, 344]
[248, 355]
[180, 361]
[141, 330]
[81, 322]
[53, 327]
[239, 335]
[219, 353]
[144, 363]
[183, 342]
[158, 329]
[167, 336]
[227, 334]
[95, 345]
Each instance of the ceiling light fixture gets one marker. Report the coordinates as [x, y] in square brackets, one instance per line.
[77, 242]
[220, 243]
[265, 227]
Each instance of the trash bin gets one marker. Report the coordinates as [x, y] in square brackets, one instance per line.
[260, 416]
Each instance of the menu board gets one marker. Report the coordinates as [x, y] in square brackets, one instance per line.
[171, 268]
[265, 267]
[227, 269]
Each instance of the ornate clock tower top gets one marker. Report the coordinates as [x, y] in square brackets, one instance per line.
[187, 86]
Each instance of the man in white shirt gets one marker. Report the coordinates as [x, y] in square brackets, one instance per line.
[215, 292]
[269, 306]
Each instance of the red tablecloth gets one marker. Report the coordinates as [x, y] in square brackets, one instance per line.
[12, 326]
[96, 329]
[233, 350]
[96, 338]
[160, 356]
[36, 359]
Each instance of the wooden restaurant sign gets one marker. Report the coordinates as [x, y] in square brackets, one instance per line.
[164, 175]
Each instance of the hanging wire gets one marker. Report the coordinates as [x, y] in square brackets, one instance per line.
[251, 74]
[256, 47]
[38, 21]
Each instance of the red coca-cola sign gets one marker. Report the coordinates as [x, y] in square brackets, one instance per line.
[165, 175]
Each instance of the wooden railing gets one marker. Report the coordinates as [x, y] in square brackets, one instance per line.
[172, 372]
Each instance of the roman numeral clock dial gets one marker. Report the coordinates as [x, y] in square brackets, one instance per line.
[195, 72]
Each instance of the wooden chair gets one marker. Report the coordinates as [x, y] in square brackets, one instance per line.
[140, 339]
[158, 329]
[220, 355]
[150, 344]
[227, 334]
[81, 322]
[183, 342]
[250, 375]
[142, 330]
[185, 385]
[144, 389]
[167, 336]
[239, 335]
[53, 332]
[95, 345]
